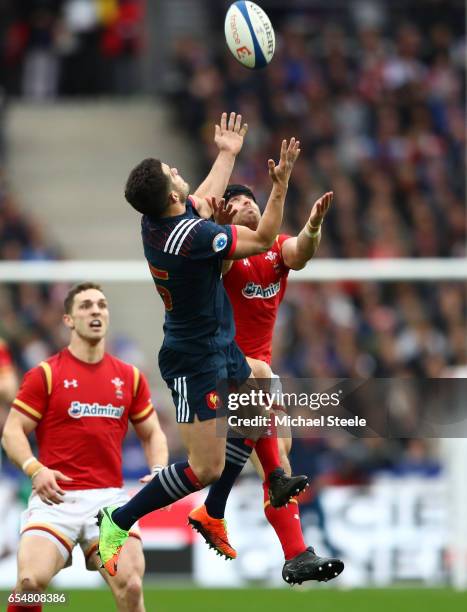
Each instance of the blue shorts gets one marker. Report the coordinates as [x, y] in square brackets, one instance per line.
[193, 379]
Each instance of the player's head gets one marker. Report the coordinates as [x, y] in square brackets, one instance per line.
[87, 312]
[244, 204]
[153, 186]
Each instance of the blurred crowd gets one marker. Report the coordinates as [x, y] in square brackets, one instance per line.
[30, 314]
[50, 48]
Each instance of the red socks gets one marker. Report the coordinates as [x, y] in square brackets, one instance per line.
[267, 450]
[286, 523]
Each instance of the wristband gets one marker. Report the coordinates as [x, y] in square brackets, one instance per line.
[39, 469]
[27, 462]
[32, 466]
[312, 232]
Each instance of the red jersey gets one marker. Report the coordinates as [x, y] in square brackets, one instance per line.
[5, 358]
[82, 411]
[256, 286]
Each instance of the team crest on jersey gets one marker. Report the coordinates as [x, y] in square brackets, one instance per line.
[219, 242]
[213, 400]
[252, 290]
[70, 383]
[271, 255]
[118, 384]
[77, 410]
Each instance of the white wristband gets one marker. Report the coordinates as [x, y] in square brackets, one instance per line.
[28, 462]
[312, 234]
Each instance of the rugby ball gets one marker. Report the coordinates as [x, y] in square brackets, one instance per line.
[249, 34]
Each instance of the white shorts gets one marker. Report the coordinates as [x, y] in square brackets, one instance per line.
[73, 521]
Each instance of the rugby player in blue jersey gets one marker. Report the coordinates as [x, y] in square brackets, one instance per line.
[185, 251]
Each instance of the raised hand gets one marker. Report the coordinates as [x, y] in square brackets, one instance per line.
[320, 208]
[229, 135]
[223, 213]
[280, 174]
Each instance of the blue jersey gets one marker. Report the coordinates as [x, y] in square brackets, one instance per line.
[185, 256]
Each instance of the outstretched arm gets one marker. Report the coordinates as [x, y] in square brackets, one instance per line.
[251, 242]
[228, 137]
[297, 251]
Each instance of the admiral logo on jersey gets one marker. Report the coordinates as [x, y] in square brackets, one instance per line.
[79, 409]
[252, 290]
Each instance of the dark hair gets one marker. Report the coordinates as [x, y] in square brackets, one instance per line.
[234, 190]
[68, 303]
[147, 188]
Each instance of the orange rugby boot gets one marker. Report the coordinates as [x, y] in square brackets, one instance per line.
[213, 530]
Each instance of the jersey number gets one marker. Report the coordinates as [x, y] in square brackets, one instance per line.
[166, 296]
[163, 291]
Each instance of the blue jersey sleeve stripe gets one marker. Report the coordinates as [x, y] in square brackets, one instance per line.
[177, 230]
[187, 230]
[178, 240]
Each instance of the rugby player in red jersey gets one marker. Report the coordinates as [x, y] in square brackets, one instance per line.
[79, 403]
[256, 287]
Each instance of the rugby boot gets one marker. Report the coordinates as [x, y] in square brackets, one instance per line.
[308, 566]
[111, 539]
[283, 487]
[213, 530]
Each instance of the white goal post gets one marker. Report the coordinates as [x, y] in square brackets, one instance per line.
[318, 270]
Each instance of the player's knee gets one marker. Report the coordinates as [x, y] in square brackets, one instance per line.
[133, 591]
[128, 591]
[208, 474]
[29, 583]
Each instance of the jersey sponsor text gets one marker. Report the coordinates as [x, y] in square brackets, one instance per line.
[82, 409]
[252, 290]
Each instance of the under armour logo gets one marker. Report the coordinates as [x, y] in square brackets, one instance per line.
[70, 383]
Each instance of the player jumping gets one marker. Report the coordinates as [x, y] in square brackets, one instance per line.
[256, 287]
[79, 403]
[185, 253]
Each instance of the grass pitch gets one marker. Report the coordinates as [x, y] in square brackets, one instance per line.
[275, 600]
